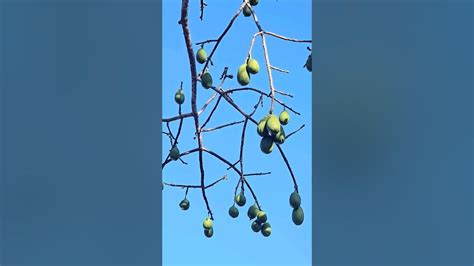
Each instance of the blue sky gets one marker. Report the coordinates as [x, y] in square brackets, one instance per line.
[233, 242]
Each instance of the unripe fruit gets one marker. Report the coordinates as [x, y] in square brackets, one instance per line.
[252, 66]
[273, 124]
[309, 64]
[207, 224]
[261, 217]
[184, 204]
[240, 199]
[243, 76]
[256, 226]
[174, 153]
[233, 211]
[295, 200]
[284, 117]
[209, 232]
[266, 229]
[297, 216]
[179, 97]
[253, 2]
[206, 80]
[201, 56]
[252, 211]
[262, 127]
[266, 144]
[280, 137]
[247, 11]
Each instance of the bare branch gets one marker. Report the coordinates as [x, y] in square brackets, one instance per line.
[196, 186]
[206, 41]
[284, 93]
[257, 174]
[264, 94]
[294, 132]
[279, 69]
[269, 71]
[192, 63]
[224, 76]
[203, 5]
[212, 112]
[286, 38]
[174, 118]
[222, 126]
[227, 28]
[219, 93]
[288, 166]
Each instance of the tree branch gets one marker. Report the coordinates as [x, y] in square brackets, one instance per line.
[218, 41]
[192, 63]
[222, 126]
[196, 186]
[219, 93]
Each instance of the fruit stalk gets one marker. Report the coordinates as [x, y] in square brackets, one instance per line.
[267, 60]
[269, 71]
[288, 166]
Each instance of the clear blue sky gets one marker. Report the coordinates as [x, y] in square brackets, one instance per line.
[233, 242]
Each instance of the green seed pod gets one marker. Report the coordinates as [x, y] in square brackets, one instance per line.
[266, 144]
[247, 11]
[184, 204]
[179, 97]
[201, 56]
[174, 153]
[233, 211]
[206, 80]
[253, 66]
[253, 2]
[266, 229]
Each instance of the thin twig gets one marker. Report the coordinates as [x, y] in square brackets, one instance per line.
[258, 174]
[203, 4]
[222, 126]
[224, 76]
[286, 38]
[294, 132]
[284, 93]
[207, 103]
[279, 69]
[288, 166]
[174, 118]
[264, 94]
[233, 165]
[269, 72]
[206, 41]
[212, 111]
[222, 36]
[236, 170]
[196, 186]
[252, 42]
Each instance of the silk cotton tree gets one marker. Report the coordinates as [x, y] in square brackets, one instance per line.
[270, 129]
